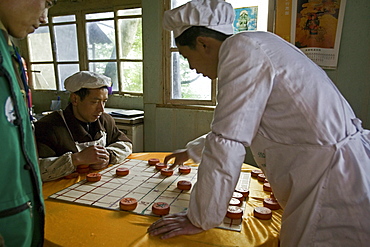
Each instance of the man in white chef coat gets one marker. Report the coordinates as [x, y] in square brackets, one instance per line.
[302, 132]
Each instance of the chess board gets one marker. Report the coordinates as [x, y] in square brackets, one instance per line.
[145, 184]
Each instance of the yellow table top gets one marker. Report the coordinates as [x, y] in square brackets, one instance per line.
[69, 224]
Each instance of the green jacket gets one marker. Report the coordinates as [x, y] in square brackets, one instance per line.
[21, 200]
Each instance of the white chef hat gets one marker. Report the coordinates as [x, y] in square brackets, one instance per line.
[214, 14]
[86, 79]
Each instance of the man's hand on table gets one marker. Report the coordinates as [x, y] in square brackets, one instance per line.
[96, 156]
[173, 225]
[180, 156]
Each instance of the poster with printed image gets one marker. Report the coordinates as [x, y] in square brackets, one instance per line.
[246, 19]
[316, 29]
[252, 15]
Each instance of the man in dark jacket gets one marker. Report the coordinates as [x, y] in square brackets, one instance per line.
[81, 134]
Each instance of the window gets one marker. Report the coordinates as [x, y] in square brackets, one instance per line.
[184, 86]
[109, 43]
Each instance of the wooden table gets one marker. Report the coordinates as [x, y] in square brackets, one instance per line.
[69, 224]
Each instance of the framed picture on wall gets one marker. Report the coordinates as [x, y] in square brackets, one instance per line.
[252, 15]
[246, 19]
[316, 29]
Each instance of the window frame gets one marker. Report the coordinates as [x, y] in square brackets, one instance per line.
[168, 49]
[82, 45]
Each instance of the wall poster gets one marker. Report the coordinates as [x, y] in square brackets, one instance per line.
[316, 29]
[250, 15]
[246, 19]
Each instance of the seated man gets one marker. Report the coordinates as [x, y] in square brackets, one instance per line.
[81, 134]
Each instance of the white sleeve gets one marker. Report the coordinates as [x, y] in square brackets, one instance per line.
[195, 147]
[52, 168]
[119, 150]
[245, 82]
[218, 175]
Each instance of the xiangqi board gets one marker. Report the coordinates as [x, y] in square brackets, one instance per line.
[145, 184]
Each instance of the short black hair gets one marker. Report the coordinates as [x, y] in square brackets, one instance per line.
[188, 37]
[83, 92]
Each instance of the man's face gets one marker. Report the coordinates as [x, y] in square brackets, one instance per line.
[200, 60]
[22, 17]
[91, 107]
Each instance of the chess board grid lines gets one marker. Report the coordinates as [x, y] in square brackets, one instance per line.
[162, 192]
[174, 199]
[108, 172]
[133, 164]
[137, 186]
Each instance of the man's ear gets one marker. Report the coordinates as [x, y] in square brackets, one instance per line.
[74, 98]
[204, 43]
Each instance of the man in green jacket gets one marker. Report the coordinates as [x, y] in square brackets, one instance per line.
[21, 201]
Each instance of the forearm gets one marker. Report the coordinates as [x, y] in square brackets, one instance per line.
[195, 147]
[119, 151]
[52, 168]
[218, 175]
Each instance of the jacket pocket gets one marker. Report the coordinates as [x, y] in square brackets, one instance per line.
[16, 210]
[17, 226]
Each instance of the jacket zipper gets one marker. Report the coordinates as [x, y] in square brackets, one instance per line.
[16, 210]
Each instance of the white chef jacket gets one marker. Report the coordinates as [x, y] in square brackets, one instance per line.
[303, 135]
